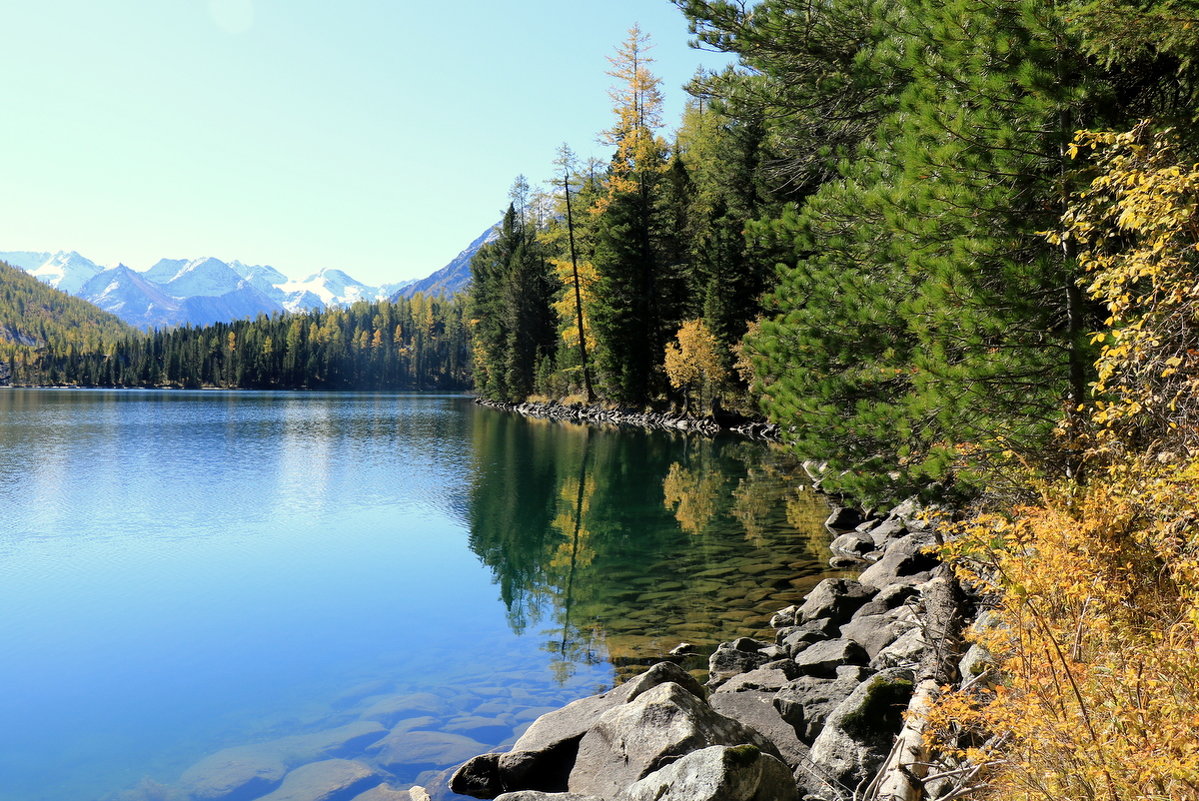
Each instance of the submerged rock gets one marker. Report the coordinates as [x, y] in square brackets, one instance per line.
[329, 780]
[234, 774]
[421, 749]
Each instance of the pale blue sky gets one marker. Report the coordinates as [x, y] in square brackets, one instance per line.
[372, 136]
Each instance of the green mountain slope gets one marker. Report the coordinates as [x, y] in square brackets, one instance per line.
[33, 315]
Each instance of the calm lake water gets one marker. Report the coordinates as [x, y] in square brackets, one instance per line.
[182, 572]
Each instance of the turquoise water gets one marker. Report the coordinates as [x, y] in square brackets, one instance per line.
[182, 572]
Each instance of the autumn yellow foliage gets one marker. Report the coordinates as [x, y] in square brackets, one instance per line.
[1094, 631]
[693, 363]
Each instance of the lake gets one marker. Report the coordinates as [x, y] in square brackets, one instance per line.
[185, 572]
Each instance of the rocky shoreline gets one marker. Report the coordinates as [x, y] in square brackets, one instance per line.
[813, 715]
[633, 418]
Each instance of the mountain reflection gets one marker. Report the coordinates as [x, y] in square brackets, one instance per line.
[618, 544]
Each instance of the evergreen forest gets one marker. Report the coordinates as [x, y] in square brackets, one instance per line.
[405, 344]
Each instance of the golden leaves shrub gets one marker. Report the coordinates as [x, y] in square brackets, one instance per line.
[1095, 634]
[1097, 646]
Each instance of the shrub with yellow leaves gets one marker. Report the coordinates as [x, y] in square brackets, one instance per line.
[1096, 586]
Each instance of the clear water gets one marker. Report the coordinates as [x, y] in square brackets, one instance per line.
[182, 572]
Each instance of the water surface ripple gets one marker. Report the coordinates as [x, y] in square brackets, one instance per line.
[182, 572]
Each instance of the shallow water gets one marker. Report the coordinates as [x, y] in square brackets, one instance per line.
[182, 572]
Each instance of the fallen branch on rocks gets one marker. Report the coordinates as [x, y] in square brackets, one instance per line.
[903, 775]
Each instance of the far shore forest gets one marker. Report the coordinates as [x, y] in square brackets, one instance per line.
[950, 248]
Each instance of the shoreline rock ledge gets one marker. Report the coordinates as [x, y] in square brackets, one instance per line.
[813, 715]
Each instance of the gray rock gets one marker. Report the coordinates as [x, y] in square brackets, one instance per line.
[384, 793]
[391, 708]
[858, 734]
[542, 757]
[835, 599]
[728, 660]
[889, 598]
[631, 741]
[757, 710]
[853, 544]
[796, 638]
[807, 702]
[234, 774]
[890, 529]
[328, 780]
[719, 773]
[537, 795]
[899, 567]
[424, 749]
[843, 519]
[906, 651]
[873, 632]
[974, 663]
[769, 677]
[823, 658]
[660, 674]
[784, 617]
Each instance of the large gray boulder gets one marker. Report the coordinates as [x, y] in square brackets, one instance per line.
[771, 676]
[740, 656]
[633, 740]
[836, 599]
[757, 711]
[718, 773]
[806, 702]
[858, 734]
[874, 632]
[542, 758]
[823, 658]
[538, 795]
[328, 780]
[904, 562]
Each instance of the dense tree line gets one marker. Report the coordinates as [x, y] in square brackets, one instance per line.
[417, 344]
[850, 223]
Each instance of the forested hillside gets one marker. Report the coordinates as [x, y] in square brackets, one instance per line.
[416, 344]
[33, 314]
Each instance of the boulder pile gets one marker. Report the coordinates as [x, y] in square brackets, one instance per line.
[663, 421]
[811, 715]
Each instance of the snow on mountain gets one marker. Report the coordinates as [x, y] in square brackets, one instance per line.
[202, 291]
[62, 270]
[455, 276]
[148, 304]
[331, 288]
[263, 277]
[132, 297]
[27, 260]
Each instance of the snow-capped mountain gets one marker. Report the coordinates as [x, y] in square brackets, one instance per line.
[455, 276]
[207, 290]
[62, 270]
[132, 297]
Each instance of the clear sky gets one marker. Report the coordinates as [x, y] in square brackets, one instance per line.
[375, 136]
